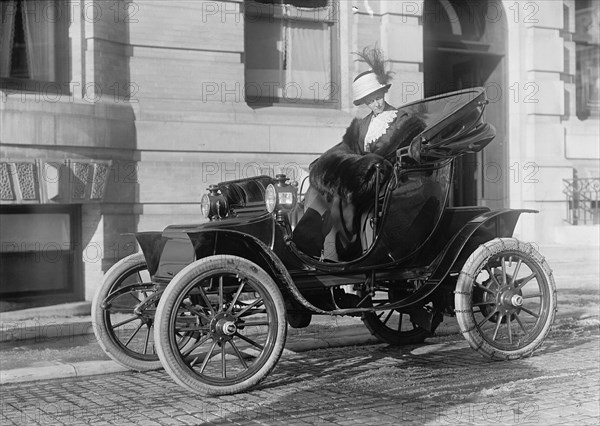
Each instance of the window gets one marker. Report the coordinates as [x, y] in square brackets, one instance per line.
[40, 251]
[455, 20]
[290, 51]
[33, 44]
[587, 42]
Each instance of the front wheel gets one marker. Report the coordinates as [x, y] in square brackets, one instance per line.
[238, 314]
[505, 299]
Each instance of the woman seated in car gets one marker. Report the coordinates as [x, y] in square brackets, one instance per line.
[343, 178]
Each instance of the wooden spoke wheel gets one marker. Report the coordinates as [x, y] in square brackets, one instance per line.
[124, 332]
[238, 313]
[392, 326]
[505, 299]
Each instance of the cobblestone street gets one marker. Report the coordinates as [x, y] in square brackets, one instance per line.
[441, 382]
[366, 212]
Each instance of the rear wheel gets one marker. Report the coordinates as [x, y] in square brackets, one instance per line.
[124, 335]
[393, 327]
[239, 316]
[505, 299]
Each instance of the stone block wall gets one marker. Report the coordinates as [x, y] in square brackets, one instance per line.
[396, 27]
[547, 142]
[157, 91]
[81, 142]
[193, 125]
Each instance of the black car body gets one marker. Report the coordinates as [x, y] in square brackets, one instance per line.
[423, 261]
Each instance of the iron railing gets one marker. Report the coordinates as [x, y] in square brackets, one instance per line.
[582, 200]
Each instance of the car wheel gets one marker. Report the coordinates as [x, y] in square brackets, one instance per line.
[505, 299]
[126, 336]
[239, 314]
[393, 327]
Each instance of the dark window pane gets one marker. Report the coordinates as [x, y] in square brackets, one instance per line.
[34, 42]
[39, 250]
[289, 59]
[587, 74]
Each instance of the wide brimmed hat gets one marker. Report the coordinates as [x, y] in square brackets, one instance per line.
[365, 84]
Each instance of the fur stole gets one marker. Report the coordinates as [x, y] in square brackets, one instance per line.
[345, 172]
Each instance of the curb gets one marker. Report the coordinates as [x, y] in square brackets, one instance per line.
[47, 322]
[59, 371]
[92, 368]
[70, 309]
[43, 328]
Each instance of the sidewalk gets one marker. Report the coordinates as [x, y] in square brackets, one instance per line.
[58, 341]
[60, 345]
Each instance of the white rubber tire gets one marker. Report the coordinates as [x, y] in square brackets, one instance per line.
[167, 350]
[464, 298]
[104, 335]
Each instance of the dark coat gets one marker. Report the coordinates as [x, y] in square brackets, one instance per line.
[346, 177]
[346, 171]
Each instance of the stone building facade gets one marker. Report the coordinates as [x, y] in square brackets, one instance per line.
[117, 115]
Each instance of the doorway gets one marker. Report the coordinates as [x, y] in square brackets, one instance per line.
[463, 48]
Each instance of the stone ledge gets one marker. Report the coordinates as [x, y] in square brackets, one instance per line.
[70, 181]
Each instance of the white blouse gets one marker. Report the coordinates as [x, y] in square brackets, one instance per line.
[378, 126]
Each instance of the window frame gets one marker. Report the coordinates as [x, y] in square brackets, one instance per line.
[61, 84]
[328, 15]
[583, 41]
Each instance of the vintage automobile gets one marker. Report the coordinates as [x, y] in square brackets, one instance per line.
[220, 294]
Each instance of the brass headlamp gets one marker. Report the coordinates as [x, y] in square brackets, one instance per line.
[214, 205]
[280, 196]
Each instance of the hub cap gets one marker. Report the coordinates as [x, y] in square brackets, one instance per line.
[229, 328]
[509, 300]
[516, 300]
[223, 327]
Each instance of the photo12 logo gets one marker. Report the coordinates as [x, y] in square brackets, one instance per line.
[53, 92]
[35, 12]
[470, 11]
[270, 91]
[488, 413]
[212, 172]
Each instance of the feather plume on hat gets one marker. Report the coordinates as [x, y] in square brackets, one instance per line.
[375, 59]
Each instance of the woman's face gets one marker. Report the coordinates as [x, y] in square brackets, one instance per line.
[376, 102]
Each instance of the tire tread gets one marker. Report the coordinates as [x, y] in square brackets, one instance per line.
[463, 297]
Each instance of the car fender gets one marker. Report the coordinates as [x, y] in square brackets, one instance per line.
[165, 254]
[226, 241]
[255, 250]
[168, 253]
[171, 250]
[480, 229]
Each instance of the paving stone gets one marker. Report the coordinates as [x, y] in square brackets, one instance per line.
[340, 386]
